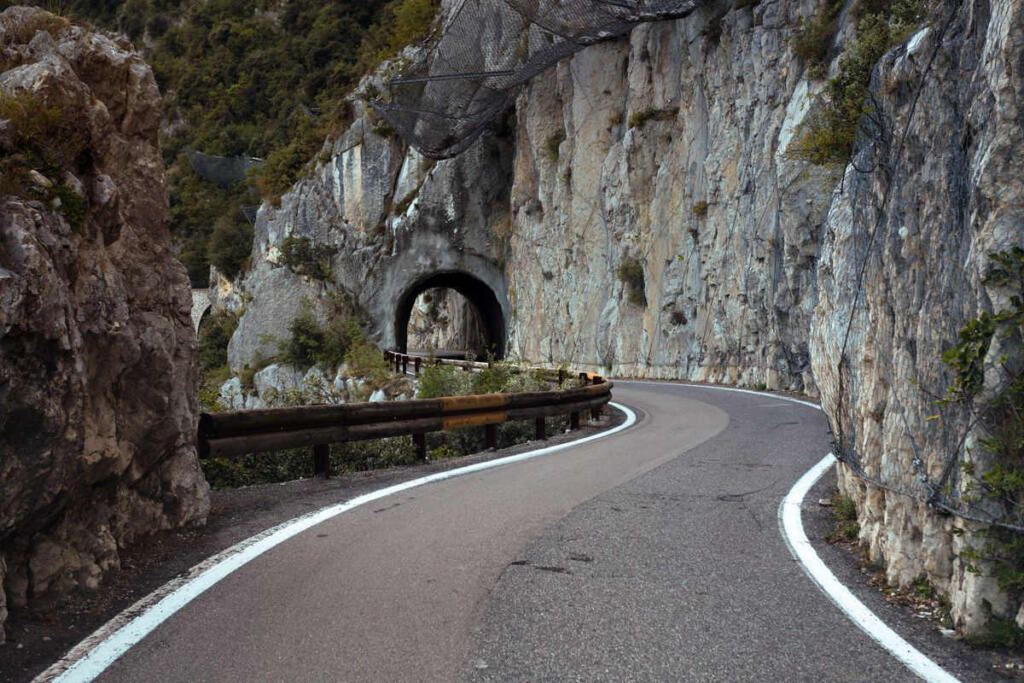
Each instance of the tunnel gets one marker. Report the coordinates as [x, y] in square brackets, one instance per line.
[480, 296]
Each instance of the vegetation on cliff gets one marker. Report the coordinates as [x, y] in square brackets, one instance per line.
[993, 468]
[258, 78]
[830, 131]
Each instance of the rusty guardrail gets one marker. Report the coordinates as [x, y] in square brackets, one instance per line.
[236, 433]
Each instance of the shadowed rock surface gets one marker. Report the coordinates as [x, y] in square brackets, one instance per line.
[97, 354]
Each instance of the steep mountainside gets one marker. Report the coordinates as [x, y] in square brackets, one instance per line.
[652, 209]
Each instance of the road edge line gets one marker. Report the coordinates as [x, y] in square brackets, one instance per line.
[791, 527]
[93, 655]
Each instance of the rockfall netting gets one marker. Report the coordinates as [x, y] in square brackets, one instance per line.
[221, 170]
[487, 49]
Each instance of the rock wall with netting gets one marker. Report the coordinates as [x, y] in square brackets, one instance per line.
[486, 49]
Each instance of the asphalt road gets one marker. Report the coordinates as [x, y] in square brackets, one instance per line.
[653, 554]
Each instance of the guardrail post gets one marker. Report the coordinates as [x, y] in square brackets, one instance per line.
[541, 428]
[416, 365]
[574, 420]
[561, 376]
[405, 364]
[491, 436]
[322, 460]
[420, 441]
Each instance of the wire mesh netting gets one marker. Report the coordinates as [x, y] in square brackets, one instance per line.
[487, 49]
[221, 170]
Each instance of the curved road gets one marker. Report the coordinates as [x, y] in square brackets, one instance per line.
[653, 554]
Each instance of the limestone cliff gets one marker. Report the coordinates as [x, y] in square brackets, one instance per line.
[639, 215]
[97, 352]
[904, 249]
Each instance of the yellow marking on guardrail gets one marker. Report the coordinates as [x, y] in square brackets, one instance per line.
[453, 404]
[461, 421]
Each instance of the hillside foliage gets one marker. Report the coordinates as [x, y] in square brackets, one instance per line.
[260, 78]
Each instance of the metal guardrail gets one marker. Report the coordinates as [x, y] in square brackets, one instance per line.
[401, 362]
[236, 433]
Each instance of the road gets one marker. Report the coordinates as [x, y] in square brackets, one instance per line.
[653, 554]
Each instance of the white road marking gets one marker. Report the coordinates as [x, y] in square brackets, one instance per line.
[792, 527]
[92, 656]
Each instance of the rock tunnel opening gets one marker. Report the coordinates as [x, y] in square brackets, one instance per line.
[450, 309]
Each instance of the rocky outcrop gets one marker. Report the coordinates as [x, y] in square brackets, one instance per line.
[97, 351]
[639, 215]
[282, 385]
[904, 250]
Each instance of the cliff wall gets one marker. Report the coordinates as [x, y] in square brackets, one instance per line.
[97, 350]
[640, 215]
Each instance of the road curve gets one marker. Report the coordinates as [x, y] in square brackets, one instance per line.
[653, 554]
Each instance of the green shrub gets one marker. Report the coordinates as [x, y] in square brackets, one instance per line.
[443, 380]
[442, 452]
[401, 23]
[493, 379]
[305, 342]
[844, 509]
[813, 37]
[301, 255]
[73, 206]
[210, 382]
[700, 209]
[999, 634]
[998, 485]
[48, 136]
[631, 273]
[230, 244]
[828, 135]
[214, 334]
[367, 361]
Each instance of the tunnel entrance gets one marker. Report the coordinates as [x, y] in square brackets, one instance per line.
[450, 309]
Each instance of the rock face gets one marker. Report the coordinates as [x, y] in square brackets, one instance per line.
[639, 215]
[396, 222]
[904, 249]
[444, 320]
[665, 156]
[97, 351]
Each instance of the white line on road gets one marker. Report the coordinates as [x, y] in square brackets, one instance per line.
[92, 656]
[792, 527]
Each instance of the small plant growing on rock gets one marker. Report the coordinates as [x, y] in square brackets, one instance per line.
[813, 38]
[303, 257]
[553, 144]
[641, 118]
[631, 273]
[994, 484]
[700, 209]
[828, 134]
[844, 514]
